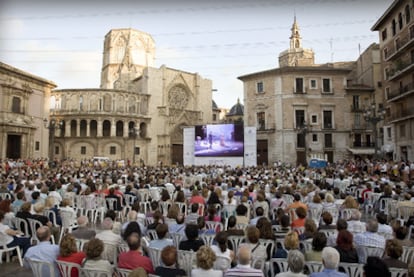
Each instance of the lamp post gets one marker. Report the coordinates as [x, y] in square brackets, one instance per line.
[52, 126]
[373, 116]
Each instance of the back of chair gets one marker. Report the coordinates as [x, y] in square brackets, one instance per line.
[41, 268]
[214, 225]
[155, 256]
[282, 266]
[34, 225]
[176, 237]
[365, 251]
[222, 263]
[186, 260]
[68, 269]
[352, 269]
[22, 225]
[314, 267]
[122, 272]
[398, 272]
[235, 241]
[207, 239]
[94, 273]
[407, 254]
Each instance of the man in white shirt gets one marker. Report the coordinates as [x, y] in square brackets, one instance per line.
[110, 239]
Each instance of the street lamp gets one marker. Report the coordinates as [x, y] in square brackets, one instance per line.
[134, 132]
[373, 116]
[52, 126]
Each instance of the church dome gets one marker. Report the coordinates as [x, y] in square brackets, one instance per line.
[237, 109]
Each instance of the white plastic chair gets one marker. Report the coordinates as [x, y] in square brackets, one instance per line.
[176, 237]
[152, 234]
[365, 251]
[352, 269]
[6, 250]
[22, 225]
[94, 273]
[235, 242]
[407, 254]
[207, 239]
[66, 268]
[315, 214]
[182, 207]
[122, 272]
[222, 263]
[34, 225]
[41, 268]
[214, 225]
[186, 260]
[68, 223]
[398, 272]
[281, 263]
[155, 256]
[143, 195]
[314, 267]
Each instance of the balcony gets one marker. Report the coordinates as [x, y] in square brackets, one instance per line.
[300, 90]
[356, 109]
[401, 114]
[327, 126]
[400, 92]
[360, 144]
[359, 126]
[330, 92]
[329, 145]
[399, 70]
[395, 48]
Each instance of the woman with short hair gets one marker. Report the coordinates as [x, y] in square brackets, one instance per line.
[93, 260]
[68, 252]
[345, 247]
[296, 263]
[205, 261]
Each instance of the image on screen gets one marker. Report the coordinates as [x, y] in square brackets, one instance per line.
[219, 140]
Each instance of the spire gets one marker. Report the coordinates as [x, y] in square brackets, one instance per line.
[295, 39]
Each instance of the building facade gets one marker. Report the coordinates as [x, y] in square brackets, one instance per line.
[24, 106]
[298, 108]
[139, 111]
[396, 35]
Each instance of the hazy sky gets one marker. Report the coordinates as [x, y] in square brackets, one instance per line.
[63, 40]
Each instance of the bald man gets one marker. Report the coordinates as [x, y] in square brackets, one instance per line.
[243, 267]
[44, 250]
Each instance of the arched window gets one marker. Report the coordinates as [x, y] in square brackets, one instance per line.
[400, 21]
[394, 27]
[16, 102]
[106, 128]
[119, 128]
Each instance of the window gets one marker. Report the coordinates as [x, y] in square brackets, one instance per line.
[16, 105]
[261, 123]
[136, 150]
[394, 27]
[37, 145]
[326, 84]
[355, 102]
[214, 117]
[327, 119]
[384, 34]
[314, 119]
[112, 150]
[299, 118]
[407, 14]
[301, 142]
[56, 150]
[313, 84]
[389, 133]
[328, 141]
[259, 87]
[299, 85]
[402, 130]
[400, 21]
[83, 150]
[385, 53]
[314, 138]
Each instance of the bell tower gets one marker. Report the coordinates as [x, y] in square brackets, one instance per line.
[296, 55]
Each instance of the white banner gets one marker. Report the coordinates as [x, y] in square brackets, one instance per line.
[188, 151]
[250, 147]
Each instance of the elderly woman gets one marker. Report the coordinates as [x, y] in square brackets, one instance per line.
[205, 261]
[318, 243]
[394, 251]
[93, 260]
[296, 263]
[68, 252]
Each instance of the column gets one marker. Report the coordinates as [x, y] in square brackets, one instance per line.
[126, 131]
[99, 127]
[88, 127]
[78, 128]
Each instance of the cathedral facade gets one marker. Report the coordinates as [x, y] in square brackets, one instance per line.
[139, 111]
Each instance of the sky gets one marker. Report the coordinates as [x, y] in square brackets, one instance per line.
[62, 40]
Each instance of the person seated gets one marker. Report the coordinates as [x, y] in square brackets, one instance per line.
[111, 239]
[291, 242]
[11, 237]
[355, 225]
[318, 244]
[212, 214]
[394, 250]
[310, 230]
[345, 247]
[375, 267]
[192, 242]
[259, 251]
[327, 222]
[284, 226]
[169, 263]
[259, 214]
[193, 215]
[296, 264]
[93, 260]
[301, 218]
[222, 250]
[231, 227]
[162, 241]
[401, 234]
[243, 267]
[242, 215]
[83, 232]
[134, 258]
[205, 261]
[68, 252]
[330, 261]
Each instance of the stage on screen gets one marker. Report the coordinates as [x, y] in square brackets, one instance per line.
[219, 140]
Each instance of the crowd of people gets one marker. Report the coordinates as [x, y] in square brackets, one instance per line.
[301, 214]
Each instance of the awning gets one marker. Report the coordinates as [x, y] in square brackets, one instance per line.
[362, 151]
[387, 148]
